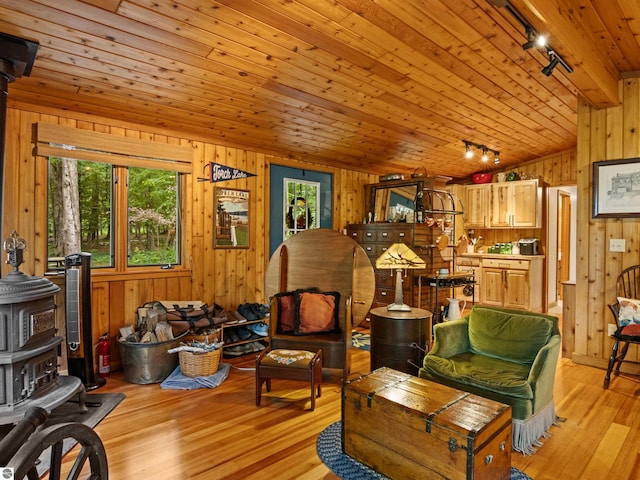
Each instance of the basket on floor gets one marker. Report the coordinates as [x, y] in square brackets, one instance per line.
[199, 364]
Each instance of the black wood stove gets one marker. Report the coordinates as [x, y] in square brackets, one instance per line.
[28, 342]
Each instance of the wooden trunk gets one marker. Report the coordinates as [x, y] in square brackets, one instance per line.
[407, 427]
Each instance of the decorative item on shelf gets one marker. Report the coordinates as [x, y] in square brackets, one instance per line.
[442, 242]
[391, 176]
[501, 176]
[481, 178]
[419, 172]
[399, 257]
[463, 244]
[512, 177]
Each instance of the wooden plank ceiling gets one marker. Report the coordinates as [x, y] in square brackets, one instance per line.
[372, 85]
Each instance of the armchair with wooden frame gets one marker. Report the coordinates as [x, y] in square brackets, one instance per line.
[325, 261]
[626, 313]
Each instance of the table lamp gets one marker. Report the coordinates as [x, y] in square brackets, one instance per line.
[399, 257]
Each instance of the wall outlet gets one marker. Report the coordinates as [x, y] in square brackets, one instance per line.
[616, 245]
[612, 327]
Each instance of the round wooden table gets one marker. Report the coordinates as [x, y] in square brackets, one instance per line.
[396, 336]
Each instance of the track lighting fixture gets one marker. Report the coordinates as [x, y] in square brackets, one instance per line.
[468, 151]
[534, 39]
[553, 61]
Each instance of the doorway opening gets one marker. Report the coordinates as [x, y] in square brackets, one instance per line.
[561, 252]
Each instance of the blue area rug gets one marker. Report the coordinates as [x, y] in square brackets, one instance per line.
[329, 447]
[361, 340]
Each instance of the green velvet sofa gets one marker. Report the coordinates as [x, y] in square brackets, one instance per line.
[506, 355]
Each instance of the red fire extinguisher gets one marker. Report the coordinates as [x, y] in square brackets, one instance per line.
[104, 355]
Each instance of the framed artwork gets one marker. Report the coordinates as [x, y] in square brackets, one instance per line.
[616, 188]
[231, 219]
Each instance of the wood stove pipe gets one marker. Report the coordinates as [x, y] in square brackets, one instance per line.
[16, 59]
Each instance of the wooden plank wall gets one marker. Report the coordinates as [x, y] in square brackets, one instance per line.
[605, 134]
[227, 277]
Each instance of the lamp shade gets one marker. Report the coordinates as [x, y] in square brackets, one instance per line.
[398, 257]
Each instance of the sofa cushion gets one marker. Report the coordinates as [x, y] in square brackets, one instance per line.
[484, 372]
[507, 335]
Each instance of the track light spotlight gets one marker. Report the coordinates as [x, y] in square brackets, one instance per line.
[468, 153]
[485, 155]
[531, 39]
[541, 40]
[548, 70]
[496, 158]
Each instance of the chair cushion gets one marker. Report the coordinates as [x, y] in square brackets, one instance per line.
[288, 358]
[630, 332]
[628, 311]
[484, 372]
[507, 335]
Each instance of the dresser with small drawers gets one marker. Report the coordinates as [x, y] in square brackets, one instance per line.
[375, 238]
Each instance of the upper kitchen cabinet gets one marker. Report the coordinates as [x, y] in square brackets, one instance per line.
[516, 204]
[477, 198]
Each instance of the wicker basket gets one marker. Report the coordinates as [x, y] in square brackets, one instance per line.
[199, 364]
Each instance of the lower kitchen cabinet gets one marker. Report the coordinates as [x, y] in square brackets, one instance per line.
[513, 283]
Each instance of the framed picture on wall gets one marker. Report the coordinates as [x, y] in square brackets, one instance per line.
[231, 218]
[616, 188]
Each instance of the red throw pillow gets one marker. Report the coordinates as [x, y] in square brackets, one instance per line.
[286, 314]
[287, 310]
[317, 312]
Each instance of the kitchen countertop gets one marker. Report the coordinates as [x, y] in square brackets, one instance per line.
[501, 255]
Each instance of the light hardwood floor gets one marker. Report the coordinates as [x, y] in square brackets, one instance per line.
[221, 434]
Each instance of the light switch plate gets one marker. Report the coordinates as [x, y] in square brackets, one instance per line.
[616, 245]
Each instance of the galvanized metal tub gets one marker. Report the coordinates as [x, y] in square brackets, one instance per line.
[145, 363]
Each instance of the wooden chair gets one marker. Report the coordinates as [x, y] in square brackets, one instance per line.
[330, 262]
[627, 286]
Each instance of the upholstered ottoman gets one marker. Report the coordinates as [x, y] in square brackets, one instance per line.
[289, 365]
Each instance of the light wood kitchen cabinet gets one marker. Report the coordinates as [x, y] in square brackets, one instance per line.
[477, 198]
[513, 283]
[516, 204]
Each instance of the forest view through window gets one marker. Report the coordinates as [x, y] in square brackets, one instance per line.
[96, 207]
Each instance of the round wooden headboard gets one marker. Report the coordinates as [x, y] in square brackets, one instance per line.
[325, 259]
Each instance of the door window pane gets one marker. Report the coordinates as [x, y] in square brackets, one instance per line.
[301, 200]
